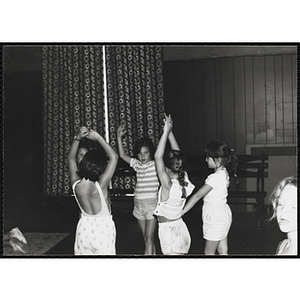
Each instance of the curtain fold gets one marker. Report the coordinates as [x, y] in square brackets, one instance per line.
[73, 96]
[135, 97]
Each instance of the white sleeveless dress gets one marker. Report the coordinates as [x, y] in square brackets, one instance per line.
[95, 234]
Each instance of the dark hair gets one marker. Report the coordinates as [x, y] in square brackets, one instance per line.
[175, 161]
[220, 149]
[84, 143]
[143, 142]
[92, 165]
[89, 144]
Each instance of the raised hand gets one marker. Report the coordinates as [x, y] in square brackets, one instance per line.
[93, 135]
[83, 132]
[121, 131]
[168, 123]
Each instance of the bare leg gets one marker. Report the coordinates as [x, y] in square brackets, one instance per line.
[210, 247]
[149, 236]
[148, 229]
[223, 247]
[142, 224]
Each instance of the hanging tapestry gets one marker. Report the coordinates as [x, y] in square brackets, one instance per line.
[135, 97]
[73, 97]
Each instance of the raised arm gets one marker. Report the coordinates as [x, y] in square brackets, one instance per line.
[203, 191]
[112, 158]
[159, 154]
[120, 133]
[171, 137]
[173, 142]
[83, 132]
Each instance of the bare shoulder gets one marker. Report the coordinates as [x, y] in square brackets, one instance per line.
[80, 188]
[85, 188]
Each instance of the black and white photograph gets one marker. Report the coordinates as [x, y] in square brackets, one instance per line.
[84, 81]
[150, 150]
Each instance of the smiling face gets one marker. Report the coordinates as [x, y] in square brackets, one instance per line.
[144, 155]
[287, 209]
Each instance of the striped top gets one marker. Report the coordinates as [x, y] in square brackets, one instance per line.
[147, 182]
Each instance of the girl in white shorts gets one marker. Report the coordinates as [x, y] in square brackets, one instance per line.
[175, 188]
[216, 214]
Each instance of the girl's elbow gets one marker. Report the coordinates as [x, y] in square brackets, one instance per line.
[115, 156]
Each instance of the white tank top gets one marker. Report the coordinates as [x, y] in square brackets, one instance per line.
[172, 208]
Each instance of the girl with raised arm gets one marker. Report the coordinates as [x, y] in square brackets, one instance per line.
[146, 188]
[90, 177]
[175, 188]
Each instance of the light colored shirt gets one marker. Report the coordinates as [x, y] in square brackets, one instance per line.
[172, 208]
[147, 182]
[219, 181]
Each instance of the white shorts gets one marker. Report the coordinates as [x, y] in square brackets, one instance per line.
[174, 237]
[143, 209]
[217, 219]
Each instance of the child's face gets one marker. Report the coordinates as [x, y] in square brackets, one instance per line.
[144, 155]
[210, 162]
[80, 154]
[287, 209]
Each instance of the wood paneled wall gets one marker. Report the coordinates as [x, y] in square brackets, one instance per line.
[242, 100]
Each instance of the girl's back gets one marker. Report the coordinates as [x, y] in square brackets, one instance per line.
[89, 197]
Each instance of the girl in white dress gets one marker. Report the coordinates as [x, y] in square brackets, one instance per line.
[285, 203]
[216, 213]
[90, 175]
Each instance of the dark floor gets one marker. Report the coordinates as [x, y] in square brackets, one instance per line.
[62, 215]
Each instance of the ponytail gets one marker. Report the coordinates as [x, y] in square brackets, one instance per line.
[220, 149]
[175, 161]
[232, 162]
[182, 182]
[232, 165]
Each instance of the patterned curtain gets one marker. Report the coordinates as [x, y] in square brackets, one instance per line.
[135, 97]
[73, 96]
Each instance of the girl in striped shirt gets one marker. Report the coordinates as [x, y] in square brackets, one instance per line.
[146, 188]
